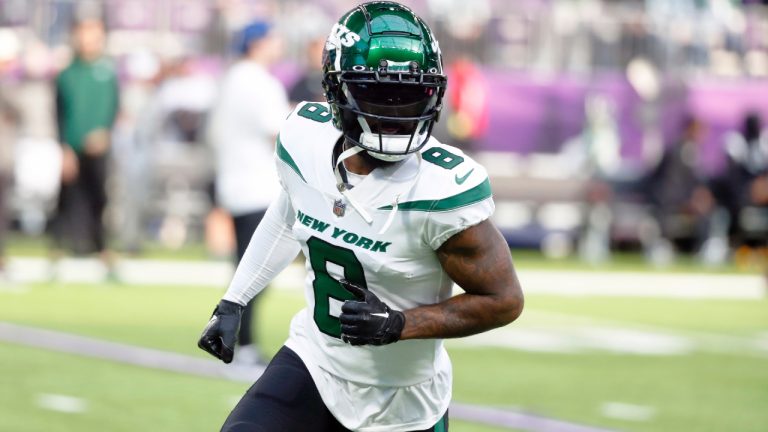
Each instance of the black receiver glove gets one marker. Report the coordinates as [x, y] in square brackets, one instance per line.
[368, 320]
[220, 335]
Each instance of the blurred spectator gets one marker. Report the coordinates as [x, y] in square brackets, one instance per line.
[596, 151]
[309, 86]
[86, 106]
[745, 186]
[174, 117]
[9, 120]
[468, 102]
[38, 153]
[463, 26]
[595, 154]
[244, 123]
[9, 50]
[170, 133]
[682, 202]
[131, 152]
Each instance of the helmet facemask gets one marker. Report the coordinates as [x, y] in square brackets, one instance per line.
[389, 114]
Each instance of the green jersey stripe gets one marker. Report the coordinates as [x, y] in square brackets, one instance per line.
[471, 196]
[283, 154]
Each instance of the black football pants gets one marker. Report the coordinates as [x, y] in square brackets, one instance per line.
[285, 399]
[245, 225]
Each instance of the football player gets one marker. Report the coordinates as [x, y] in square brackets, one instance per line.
[388, 219]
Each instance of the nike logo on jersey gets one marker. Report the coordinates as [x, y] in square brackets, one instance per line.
[462, 179]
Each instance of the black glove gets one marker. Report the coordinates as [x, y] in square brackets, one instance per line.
[220, 335]
[368, 320]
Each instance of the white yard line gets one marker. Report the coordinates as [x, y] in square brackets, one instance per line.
[217, 274]
[553, 332]
[627, 411]
[643, 284]
[62, 403]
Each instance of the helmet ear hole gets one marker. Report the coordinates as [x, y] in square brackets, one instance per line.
[331, 87]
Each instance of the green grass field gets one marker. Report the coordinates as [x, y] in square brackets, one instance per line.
[721, 384]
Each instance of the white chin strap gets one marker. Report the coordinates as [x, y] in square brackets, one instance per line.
[343, 187]
[345, 192]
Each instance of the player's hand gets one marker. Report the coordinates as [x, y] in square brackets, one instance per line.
[759, 190]
[220, 335]
[70, 166]
[368, 320]
[96, 142]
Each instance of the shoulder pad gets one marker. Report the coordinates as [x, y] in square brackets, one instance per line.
[453, 168]
[307, 130]
[449, 180]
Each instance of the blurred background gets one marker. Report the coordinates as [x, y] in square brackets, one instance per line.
[627, 146]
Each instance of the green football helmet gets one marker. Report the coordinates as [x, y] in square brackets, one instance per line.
[383, 79]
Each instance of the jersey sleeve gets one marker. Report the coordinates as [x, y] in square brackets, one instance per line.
[455, 213]
[270, 250]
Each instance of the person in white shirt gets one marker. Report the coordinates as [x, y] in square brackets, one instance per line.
[250, 109]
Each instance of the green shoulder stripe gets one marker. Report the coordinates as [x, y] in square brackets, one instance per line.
[471, 196]
[283, 154]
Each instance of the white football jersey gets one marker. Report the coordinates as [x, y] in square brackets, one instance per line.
[415, 205]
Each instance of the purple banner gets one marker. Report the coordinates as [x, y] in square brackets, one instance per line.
[722, 104]
[533, 114]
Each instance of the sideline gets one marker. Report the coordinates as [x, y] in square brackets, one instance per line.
[181, 363]
[217, 274]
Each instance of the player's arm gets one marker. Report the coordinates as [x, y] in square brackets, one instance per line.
[478, 260]
[270, 250]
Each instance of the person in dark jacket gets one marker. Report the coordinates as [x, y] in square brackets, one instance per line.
[680, 196]
[746, 178]
[86, 107]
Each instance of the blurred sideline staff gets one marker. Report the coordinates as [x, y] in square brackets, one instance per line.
[682, 201]
[86, 107]
[308, 87]
[745, 191]
[9, 119]
[672, 201]
[244, 124]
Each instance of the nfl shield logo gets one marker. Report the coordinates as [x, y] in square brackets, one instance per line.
[339, 208]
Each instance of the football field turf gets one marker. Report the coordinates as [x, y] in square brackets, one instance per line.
[634, 364]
